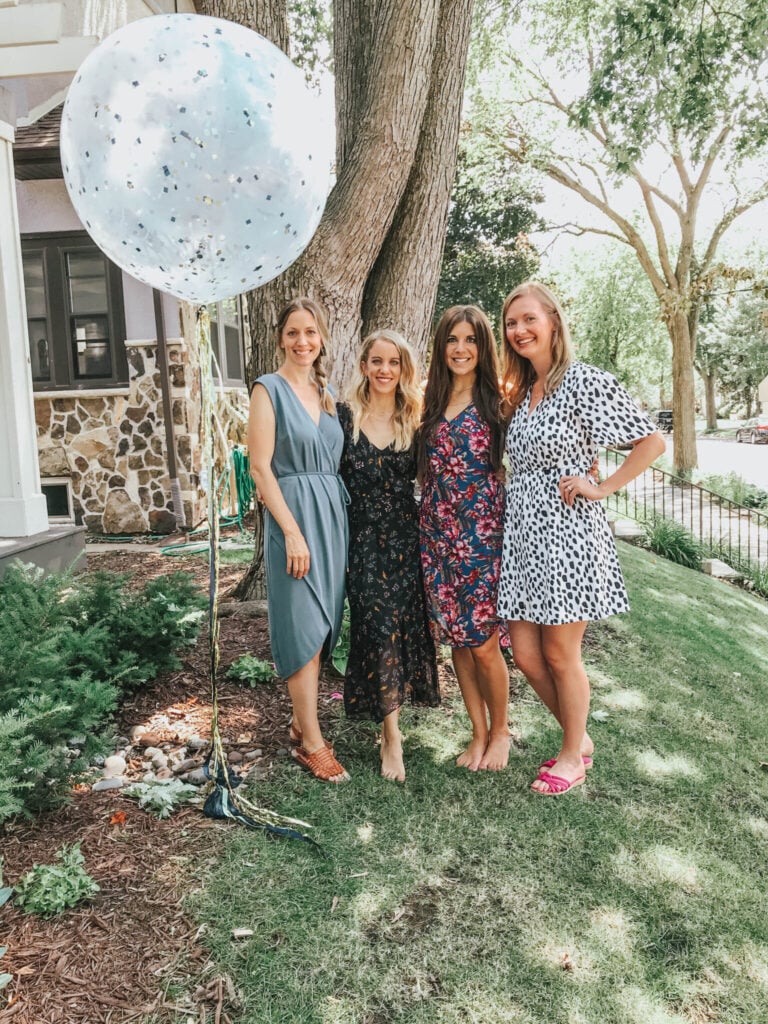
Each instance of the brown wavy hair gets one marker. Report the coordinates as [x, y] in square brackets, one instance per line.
[321, 376]
[518, 373]
[407, 397]
[485, 391]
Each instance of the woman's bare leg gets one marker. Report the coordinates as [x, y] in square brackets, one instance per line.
[527, 650]
[466, 673]
[392, 766]
[561, 646]
[303, 688]
[493, 681]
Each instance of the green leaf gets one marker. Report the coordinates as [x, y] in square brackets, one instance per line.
[5, 979]
[5, 895]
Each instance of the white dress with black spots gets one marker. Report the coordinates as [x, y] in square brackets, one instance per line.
[559, 563]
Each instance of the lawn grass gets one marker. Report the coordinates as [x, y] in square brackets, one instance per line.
[641, 898]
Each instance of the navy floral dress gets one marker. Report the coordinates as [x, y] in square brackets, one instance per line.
[391, 653]
[461, 522]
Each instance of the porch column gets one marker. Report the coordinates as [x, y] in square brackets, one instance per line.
[22, 504]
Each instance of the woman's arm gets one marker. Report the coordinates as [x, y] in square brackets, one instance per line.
[261, 448]
[644, 452]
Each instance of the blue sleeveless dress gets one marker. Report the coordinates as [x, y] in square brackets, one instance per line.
[305, 615]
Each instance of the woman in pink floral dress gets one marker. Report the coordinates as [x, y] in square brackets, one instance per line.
[461, 521]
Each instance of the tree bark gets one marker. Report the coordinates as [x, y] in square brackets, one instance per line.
[710, 400]
[684, 397]
[402, 286]
[267, 17]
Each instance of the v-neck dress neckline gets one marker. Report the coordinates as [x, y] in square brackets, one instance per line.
[307, 412]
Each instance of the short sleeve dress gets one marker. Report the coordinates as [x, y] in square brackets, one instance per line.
[391, 652]
[559, 563]
[305, 615]
[461, 522]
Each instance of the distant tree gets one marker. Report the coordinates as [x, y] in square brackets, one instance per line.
[735, 347]
[677, 81]
[487, 250]
[616, 323]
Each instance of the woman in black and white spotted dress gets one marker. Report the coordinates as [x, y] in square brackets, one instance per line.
[559, 566]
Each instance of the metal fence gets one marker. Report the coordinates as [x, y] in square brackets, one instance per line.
[725, 529]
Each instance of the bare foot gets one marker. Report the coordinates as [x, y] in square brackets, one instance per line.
[569, 770]
[496, 754]
[473, 755]
[391, 754]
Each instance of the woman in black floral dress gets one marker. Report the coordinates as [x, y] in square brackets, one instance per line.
[391, 651]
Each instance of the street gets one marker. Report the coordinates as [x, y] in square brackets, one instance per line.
[749, 461]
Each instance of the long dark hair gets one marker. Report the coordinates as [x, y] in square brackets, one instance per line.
[485, 391]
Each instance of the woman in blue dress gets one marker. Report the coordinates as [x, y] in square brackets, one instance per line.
[295, 443]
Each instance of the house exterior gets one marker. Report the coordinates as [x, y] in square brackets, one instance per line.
[762, 394]
[103, 414]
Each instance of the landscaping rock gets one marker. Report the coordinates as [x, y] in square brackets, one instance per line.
[137, 732]
[104, 784]
[114, 767]
[196, 778]
[235, 757]
[122, 741]
[186, 766]
[159, 760]
[258, 773]
[196, 743]
[251, 755]
[151, 751]
[163, 773]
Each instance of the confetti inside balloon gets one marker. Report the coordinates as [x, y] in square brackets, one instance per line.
[195, 155]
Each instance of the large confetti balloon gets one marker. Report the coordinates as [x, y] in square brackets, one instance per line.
[195, 155]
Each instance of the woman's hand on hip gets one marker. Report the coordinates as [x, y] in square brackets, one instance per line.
[573, 486]
[297, 552]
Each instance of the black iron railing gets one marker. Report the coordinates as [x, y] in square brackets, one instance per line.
[725, 529]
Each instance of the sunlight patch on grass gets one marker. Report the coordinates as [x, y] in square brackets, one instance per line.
[656, 766]
[625, 700]
[758, 827]
[657, 864]
[365, 832]
[612, 929]
[641, 1008]
[565, 956]
[757, 964]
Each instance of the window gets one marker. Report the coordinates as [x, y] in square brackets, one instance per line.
[74, 313]
[58, 498]
[226, 319]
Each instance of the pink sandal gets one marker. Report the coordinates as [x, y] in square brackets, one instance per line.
[586, 760]
[557, 784]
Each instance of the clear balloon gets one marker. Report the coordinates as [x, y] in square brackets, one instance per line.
[195, 155]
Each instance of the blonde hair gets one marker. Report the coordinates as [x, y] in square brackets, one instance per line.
[321, 376]
[407, 396]
[518, 373]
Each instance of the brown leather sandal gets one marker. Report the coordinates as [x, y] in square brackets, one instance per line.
[321, 763]
[297, 739]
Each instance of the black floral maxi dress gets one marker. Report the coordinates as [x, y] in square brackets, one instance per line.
[391, 651]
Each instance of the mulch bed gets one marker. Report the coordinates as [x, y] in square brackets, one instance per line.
[110, 962]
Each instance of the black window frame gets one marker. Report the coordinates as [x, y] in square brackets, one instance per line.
[54, 248]
[227, 378]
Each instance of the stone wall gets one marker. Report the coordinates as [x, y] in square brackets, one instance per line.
[112, 446]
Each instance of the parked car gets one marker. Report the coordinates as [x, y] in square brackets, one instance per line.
[755, 431]
[663, 420]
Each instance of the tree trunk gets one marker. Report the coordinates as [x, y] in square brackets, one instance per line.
[402, 287]
[710, 398]
[375, 256]
[683, 395]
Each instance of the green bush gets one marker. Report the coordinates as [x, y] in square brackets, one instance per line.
[736, 488]
[673, 542]
[68, 647]
[253, 671]
[51, 888]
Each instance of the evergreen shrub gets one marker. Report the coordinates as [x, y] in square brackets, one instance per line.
[68, 647]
